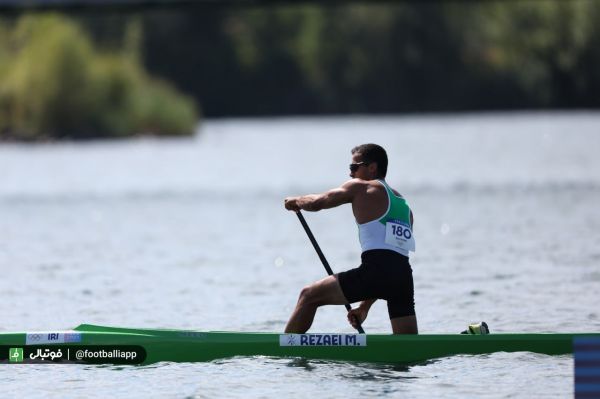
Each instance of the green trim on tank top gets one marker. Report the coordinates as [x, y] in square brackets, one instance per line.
[398, 208]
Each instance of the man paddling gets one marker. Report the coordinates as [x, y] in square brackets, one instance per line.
[385, 230]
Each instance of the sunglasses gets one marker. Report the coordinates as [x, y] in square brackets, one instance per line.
[354, 166]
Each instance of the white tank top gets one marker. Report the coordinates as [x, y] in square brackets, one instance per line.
[391, 231]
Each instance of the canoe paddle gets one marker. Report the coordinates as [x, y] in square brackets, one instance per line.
[312, 239]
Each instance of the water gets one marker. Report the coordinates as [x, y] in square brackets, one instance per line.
[191, 233]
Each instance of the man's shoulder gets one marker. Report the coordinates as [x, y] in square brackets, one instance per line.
[396, 193]
[357, 184]
[360, 186]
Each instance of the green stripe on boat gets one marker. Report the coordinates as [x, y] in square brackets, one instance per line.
[198, 346]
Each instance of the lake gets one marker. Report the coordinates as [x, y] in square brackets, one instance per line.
[191, 233]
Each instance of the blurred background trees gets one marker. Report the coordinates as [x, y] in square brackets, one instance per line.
[57, 84]
[97, 74]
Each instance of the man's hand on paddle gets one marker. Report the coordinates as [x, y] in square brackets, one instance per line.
[291, 204]
[359, 314]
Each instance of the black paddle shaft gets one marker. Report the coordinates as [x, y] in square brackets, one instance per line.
[312, 239]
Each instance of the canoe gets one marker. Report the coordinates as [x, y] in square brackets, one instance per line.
[198, 346]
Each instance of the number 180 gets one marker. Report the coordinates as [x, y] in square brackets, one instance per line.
[399, 231]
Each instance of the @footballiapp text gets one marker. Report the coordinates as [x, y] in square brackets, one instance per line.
[87, 354]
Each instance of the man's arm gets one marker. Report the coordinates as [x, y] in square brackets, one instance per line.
[329, 199]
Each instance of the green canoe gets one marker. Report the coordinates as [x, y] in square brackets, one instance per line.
[197, 346]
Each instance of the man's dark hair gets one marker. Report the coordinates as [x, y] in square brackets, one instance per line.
[373, 153]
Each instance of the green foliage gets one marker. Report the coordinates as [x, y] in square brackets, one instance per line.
[299, 58]
[541, 44]
[293, 58]
[56, 85]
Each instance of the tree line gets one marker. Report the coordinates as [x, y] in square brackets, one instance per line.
[381, 58]
[333, 58]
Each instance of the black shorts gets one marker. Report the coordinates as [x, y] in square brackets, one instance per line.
[383, 274]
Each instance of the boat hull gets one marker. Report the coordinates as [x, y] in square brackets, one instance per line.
[196, 346]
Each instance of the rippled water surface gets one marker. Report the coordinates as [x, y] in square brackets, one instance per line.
[191, 233]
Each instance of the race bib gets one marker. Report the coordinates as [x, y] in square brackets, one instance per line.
[399, 234]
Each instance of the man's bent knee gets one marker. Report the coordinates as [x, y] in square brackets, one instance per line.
[309, 296]
[322, 292]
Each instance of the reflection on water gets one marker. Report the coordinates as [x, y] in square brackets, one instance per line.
[367, 372]
[303, 363]
[357, 370]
